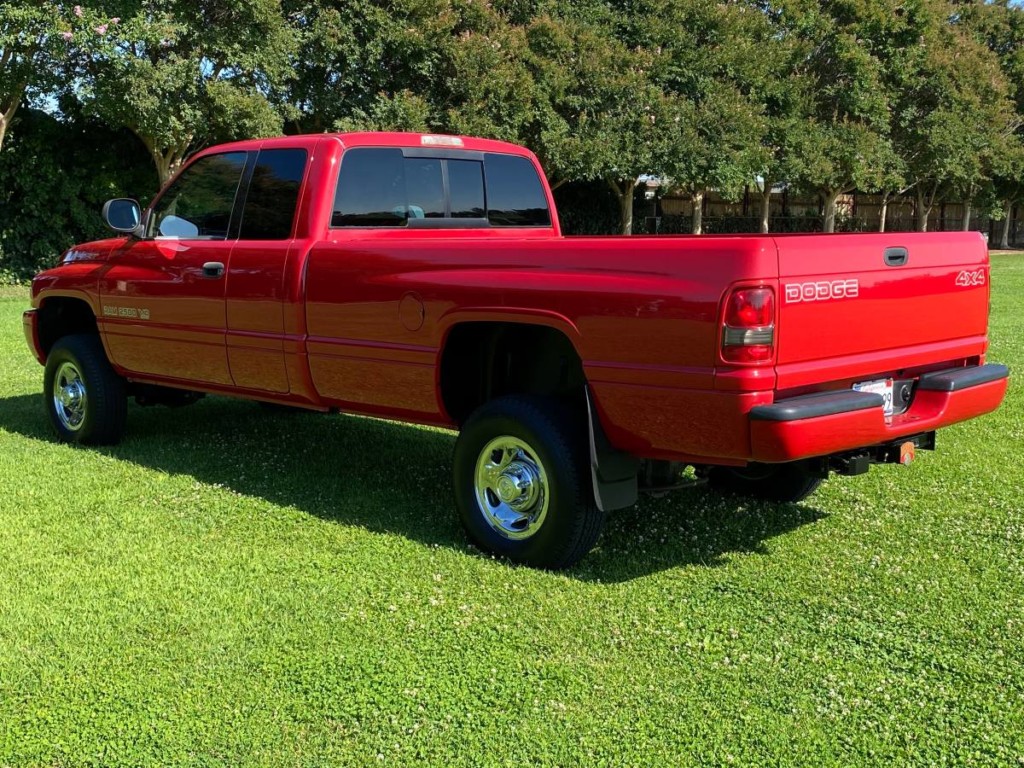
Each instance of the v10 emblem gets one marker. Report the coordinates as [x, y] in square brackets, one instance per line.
[968, 278]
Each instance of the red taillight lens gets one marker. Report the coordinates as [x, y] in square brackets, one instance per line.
[749, 333]
[750, 308]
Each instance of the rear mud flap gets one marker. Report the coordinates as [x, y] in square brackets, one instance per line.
[613, 472]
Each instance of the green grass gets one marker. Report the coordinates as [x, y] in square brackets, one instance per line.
[230, 587]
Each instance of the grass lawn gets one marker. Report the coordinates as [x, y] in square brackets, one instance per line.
[231, 587]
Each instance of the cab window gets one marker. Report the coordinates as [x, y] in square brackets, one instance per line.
[273, 194]
[199, 202]
[515, 197]
[386, 187]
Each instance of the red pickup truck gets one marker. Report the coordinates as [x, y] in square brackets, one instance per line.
[424, 278]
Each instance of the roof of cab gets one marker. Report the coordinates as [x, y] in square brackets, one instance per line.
[432, 140]
[388, 139]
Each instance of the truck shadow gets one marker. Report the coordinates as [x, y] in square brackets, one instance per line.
[394, 478]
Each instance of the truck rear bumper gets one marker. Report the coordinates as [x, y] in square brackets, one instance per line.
[30, 322]
[832, 422]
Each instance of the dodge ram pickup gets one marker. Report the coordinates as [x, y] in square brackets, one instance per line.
[424, 278]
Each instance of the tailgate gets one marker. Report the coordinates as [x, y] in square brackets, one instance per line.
[853, 306]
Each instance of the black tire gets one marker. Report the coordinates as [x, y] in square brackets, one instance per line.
[554, 536]
[770, 482]
[77, 365]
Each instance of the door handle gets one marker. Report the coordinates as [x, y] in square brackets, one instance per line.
[896, 257]
[213, 269]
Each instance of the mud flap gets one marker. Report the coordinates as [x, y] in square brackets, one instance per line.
[613, 472]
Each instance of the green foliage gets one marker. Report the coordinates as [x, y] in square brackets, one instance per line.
[835, 107]
[1000, 27]
[185, 74]
[230, 587]
[587, 208]
[54, 178]
[41, 45]
[882, 95]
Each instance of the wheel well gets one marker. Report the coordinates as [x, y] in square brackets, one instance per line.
[482, 361]
[62, 316]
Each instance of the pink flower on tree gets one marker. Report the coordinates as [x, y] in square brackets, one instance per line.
[78, 11]
[116, 20]
[67, 35]
[101, 29]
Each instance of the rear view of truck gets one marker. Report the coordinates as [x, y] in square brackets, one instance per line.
[878, 340]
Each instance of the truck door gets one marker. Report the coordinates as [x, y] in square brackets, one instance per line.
[163, 298]
[256, 271]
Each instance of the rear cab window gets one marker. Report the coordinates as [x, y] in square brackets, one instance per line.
[410, 187]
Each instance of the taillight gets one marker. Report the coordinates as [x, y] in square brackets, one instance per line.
[749, 333]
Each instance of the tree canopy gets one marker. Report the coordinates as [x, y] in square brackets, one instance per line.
[886, 96]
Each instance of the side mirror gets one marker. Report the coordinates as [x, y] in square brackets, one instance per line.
[122, 214]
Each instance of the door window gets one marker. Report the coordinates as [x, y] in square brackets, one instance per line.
[273, 194]
[198, 204]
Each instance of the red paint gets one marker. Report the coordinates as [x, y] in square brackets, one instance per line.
[357, 318]
[785, 441]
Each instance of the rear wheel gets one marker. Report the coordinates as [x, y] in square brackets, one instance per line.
[522, 484]
[85, 399]
[771, 482]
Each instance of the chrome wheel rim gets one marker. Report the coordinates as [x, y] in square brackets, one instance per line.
[69, 396]
[511, 487]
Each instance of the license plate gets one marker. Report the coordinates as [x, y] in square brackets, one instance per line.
[881, 387]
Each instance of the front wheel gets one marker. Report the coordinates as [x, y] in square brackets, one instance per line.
[770, 482]
[85, 399]
[522, 484]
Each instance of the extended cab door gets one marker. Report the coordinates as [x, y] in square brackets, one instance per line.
[257, 271]
[164, 296]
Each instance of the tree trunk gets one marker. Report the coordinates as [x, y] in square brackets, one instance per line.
[967, 216]
[698, 213]
[166, 159]
[926, 202]
[766, 205]
[921, 211]
[829, 222]
[624, 191]
[5, 118]
[1004, 240]
[883, 212]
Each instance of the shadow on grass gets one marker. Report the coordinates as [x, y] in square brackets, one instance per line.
[395, 478]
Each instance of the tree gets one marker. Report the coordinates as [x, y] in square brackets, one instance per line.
[185, 74]
[599, 115]
[35, 49]
[55, 175]
[952, 111]
[428, 65]
[709, 65]
[999, 26]
[841, 141]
